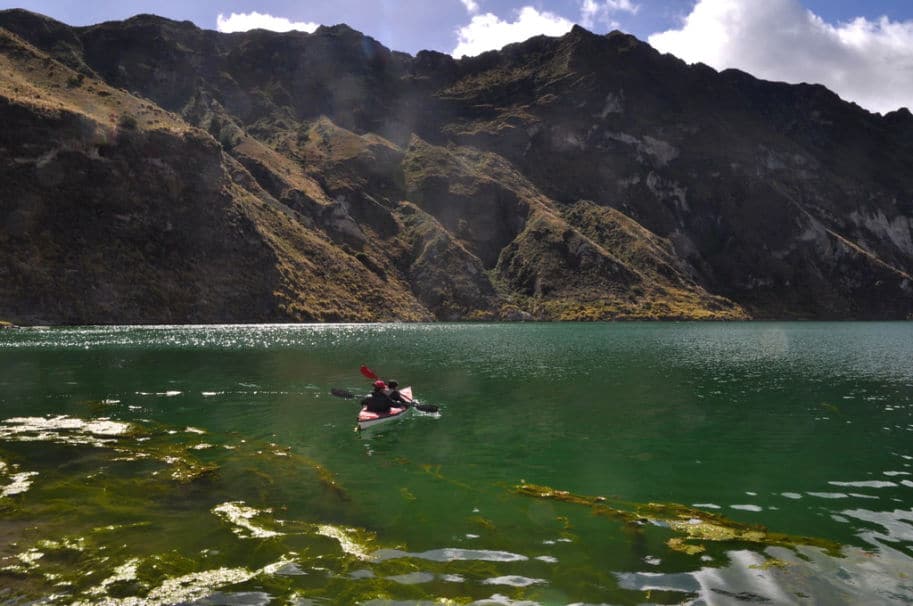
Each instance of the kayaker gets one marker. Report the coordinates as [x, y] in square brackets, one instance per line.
[393, 393]
[378, 401]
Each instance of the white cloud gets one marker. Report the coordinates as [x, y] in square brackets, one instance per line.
[241, 22]
[588, 11]
[869, 62]
[623, 5]
[472, 7]
[489, 32]
[593, 12]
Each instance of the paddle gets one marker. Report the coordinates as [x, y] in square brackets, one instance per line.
[422, 407]
[406, 394]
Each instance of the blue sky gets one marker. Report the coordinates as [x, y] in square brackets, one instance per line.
[412, 25]
[861, 49]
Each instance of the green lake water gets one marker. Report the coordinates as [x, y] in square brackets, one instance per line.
[211, 465]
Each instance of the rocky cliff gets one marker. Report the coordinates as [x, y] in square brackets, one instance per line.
[156, 172]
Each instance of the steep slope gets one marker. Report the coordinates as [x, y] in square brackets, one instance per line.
[582, 177]
[117, 211]
[590, 263]
[784, 198]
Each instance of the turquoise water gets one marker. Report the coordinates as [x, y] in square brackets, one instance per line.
[211, 465]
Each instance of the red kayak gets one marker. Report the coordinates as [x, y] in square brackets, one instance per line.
[369, 419]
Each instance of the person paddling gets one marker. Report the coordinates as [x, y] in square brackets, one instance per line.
[378, 401]
[394, 395]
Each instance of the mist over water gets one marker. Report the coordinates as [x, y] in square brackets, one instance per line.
[211, 464]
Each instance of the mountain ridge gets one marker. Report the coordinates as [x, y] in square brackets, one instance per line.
[584, 177]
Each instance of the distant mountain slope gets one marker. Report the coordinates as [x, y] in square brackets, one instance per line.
[156, 172]
[117, 211]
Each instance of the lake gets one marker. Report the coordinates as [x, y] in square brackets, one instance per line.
[657, 463]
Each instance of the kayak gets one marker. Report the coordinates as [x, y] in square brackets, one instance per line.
[368, 419]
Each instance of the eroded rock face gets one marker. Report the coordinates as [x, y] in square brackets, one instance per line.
[445, 276]
[157, 172]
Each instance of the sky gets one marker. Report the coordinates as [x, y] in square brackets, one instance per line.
[861, 49]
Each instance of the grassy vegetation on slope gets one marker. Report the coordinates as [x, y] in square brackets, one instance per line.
[121, 212]
[577, 263]
[140, 215]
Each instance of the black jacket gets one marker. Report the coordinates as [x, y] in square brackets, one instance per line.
[378, 401]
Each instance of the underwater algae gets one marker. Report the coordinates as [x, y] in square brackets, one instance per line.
[692, 526]
[121, 491]
[97, 524]
[124, 514]
[116, 516]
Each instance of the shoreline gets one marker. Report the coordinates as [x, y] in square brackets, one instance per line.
[50, 325]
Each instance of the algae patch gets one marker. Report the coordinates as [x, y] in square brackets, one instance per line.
[124, 573]
[680, 545]
[18, 482]
[349, 542]
[197, 585]
[248, 523]
[102, 432]
[241, 517]
[693, 526]
[129, 442]
[183, 589]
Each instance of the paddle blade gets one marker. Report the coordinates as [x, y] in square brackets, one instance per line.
[342, 393]
[406, 394]
[368, 373]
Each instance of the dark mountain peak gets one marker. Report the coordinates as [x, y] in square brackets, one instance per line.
[586, 52]
[339, 29]
[46, 33]
[732, 74]
[622, 43]
[703, 68]
[23, 16]
[145, 33]
[617, 37]
[344, 41]
[433, 64]
[21, 22]
[617, 34]
[531, 48]
[147, 19]
[581, 39]
[434, 57]
[900, 119]
[578, 31]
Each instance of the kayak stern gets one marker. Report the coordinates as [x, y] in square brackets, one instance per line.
[368, 419]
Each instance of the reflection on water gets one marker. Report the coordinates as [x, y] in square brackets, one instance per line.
[211, 465]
